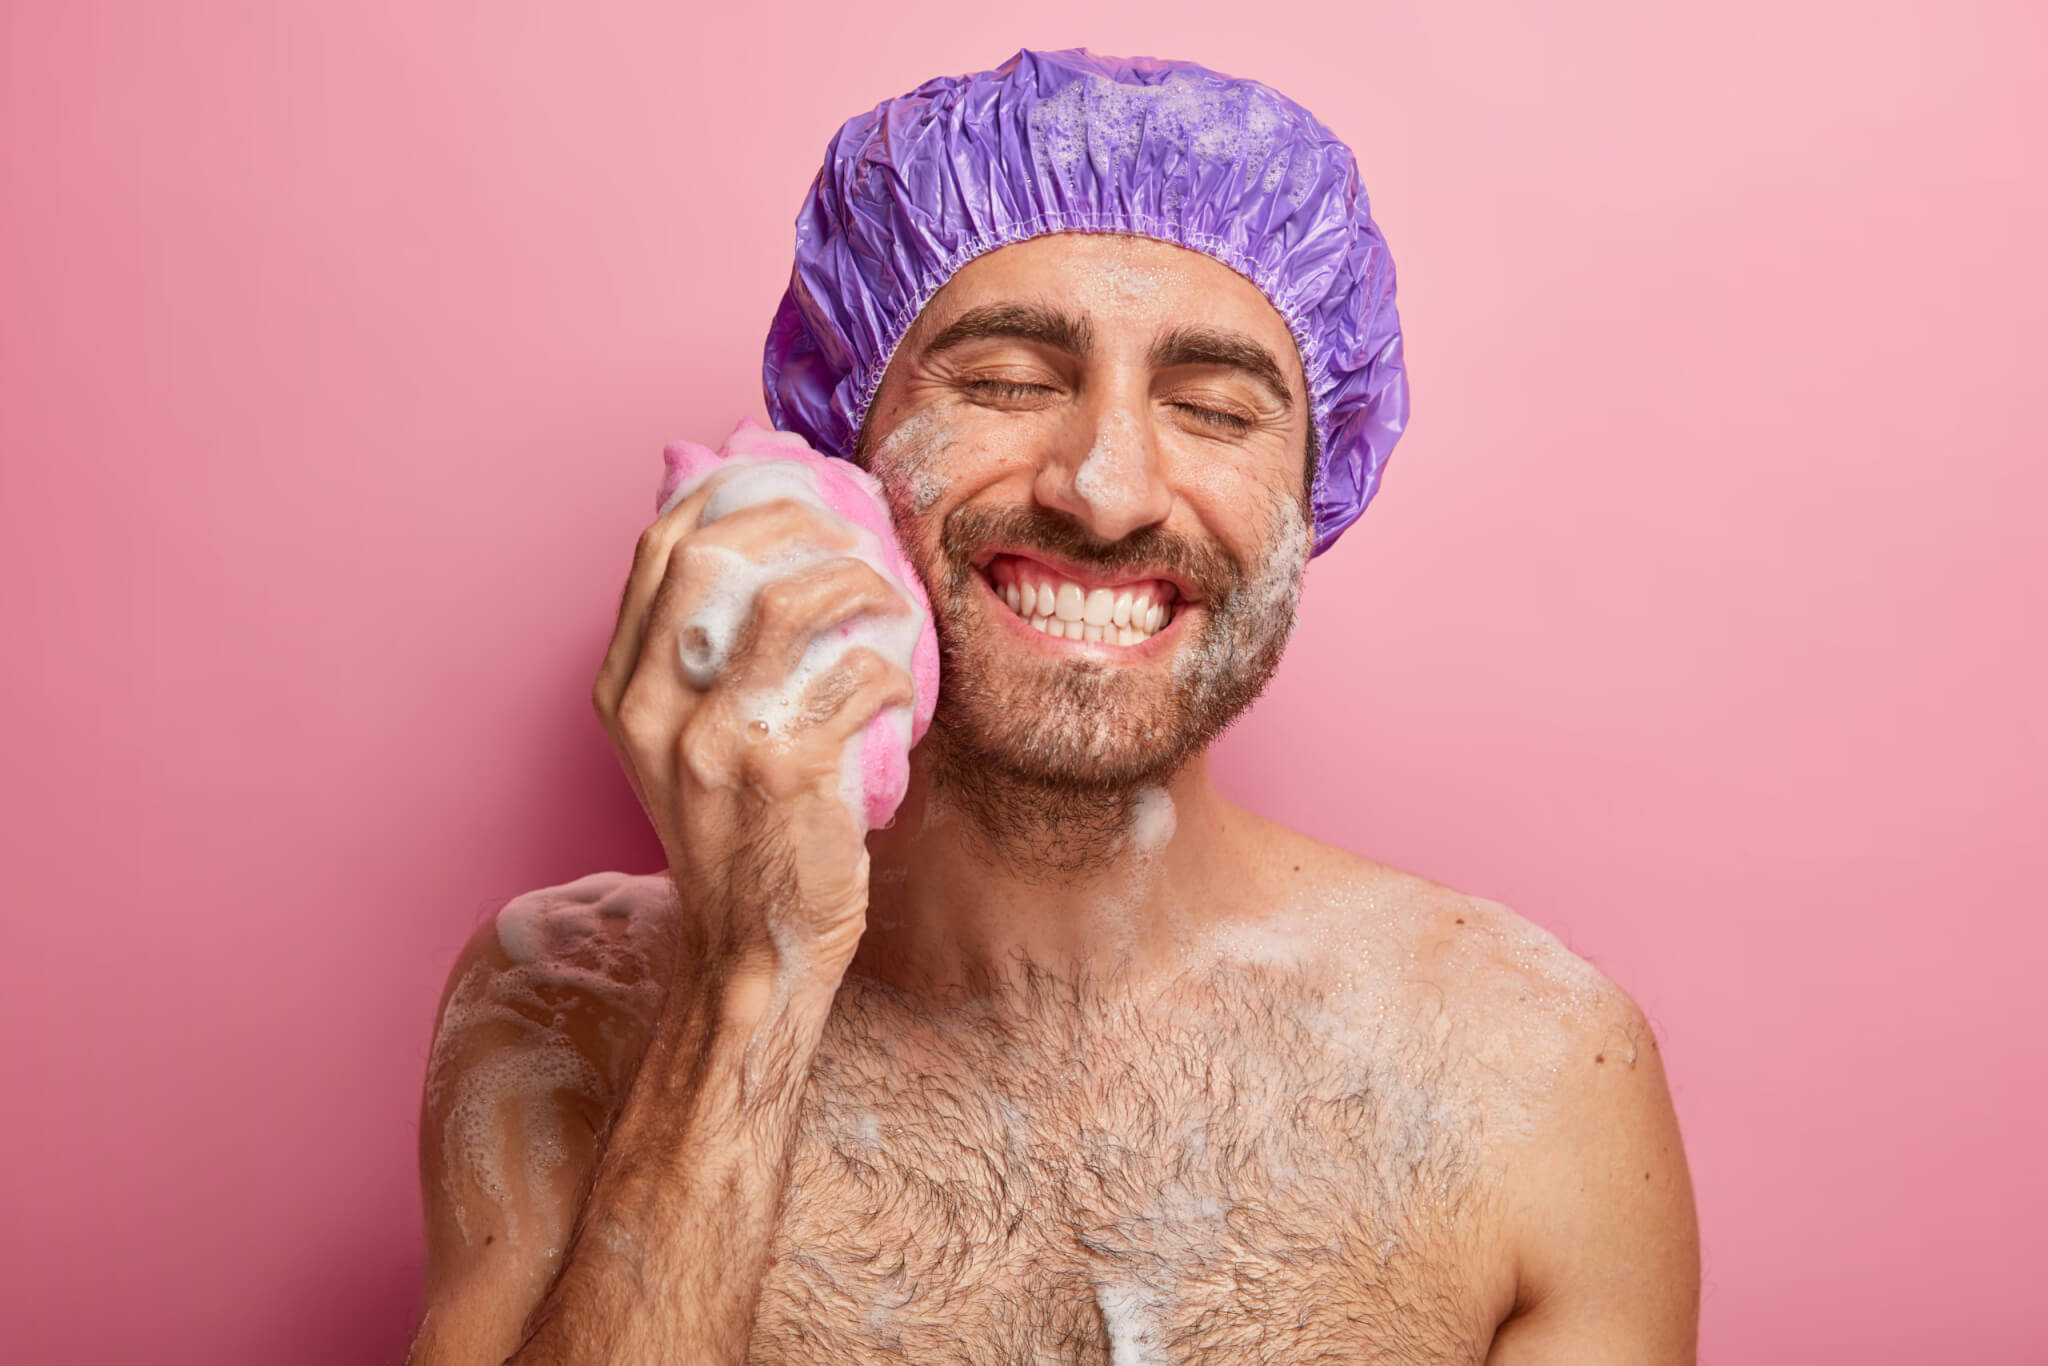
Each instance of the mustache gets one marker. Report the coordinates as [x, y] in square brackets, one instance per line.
[967, 529]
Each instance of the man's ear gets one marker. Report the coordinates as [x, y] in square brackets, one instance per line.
[860, 440]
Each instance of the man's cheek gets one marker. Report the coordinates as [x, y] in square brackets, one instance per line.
[909, 462]
[1223, 486]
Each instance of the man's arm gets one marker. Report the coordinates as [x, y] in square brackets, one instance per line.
[738, 765]
[668, 1252]
[1608, 1237]
[651, 1249]
[492, 1232]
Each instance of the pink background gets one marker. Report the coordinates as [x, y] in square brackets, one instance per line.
[1701, 616]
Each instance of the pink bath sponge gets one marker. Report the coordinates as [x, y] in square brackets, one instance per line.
[784, 465]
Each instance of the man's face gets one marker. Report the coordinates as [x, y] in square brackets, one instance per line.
[1089, 425]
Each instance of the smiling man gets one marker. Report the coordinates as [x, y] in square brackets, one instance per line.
[1075, 1061]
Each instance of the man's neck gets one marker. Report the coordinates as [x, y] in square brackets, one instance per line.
[965, 890]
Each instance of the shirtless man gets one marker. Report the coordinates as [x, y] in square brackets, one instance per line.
[1075, 1061]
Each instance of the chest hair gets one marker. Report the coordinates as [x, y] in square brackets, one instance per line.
[1228, 1171]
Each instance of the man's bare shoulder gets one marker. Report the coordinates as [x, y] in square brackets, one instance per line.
[580, 953]
[1507, 1001]
[1557, 1071]
[545, 1010]
[557, 921]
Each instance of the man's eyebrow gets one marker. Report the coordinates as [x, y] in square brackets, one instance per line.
[1234, 350]
[1024, 322]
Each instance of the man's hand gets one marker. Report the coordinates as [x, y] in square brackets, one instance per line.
[742, 778]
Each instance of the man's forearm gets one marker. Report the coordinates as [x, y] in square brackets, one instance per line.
[666, 1259]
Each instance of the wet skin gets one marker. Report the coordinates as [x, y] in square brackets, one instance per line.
[1094, 1088]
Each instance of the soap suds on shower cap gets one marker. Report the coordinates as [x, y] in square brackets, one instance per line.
[1068, 141]
[757, 465]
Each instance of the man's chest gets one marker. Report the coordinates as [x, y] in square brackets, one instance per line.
[1096, 1186]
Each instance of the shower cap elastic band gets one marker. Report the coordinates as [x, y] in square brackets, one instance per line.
[1070, 142]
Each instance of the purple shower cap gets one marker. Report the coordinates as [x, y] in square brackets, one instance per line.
[1070, 142]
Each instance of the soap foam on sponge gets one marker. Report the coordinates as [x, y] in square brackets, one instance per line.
[758, 465]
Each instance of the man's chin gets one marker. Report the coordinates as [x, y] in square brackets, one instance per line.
[1079, 770]
[1076, 728]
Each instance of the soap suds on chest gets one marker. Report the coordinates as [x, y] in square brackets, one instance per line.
[1130, 1323]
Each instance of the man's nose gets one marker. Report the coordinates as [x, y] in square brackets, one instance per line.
[1109, 475]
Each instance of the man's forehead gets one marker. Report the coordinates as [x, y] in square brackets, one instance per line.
[1110, 273]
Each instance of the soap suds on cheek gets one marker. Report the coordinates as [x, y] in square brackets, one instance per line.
[1270, 593]
[906, 462]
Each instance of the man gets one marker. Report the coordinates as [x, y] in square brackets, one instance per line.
[1075, 1061]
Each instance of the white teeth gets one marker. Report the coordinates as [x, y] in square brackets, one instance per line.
[1067, 611]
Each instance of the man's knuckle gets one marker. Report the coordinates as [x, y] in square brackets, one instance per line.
[867, 666]
[785, 510]
[700, 749]
[779, 599]
[638, 715]
[698, 559]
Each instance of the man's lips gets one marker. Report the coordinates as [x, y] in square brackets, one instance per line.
[1071, 604]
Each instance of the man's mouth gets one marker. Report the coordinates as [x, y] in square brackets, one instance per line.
[1108, 612]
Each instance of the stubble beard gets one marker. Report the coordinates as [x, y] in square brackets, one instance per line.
[1047, 759]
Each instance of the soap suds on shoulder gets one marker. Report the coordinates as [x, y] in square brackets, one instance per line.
[1459, 1014]
[506, 1054]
